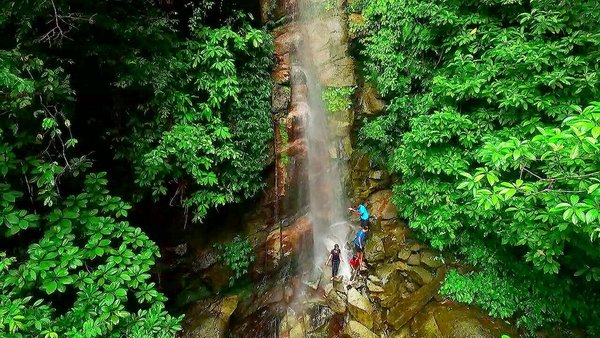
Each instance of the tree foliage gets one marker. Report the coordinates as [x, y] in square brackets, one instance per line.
[206, 129]
[70, 264]
[237, 255]
[180, 98]
[492, 144]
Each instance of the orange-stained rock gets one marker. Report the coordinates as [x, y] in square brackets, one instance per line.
[299, 90]
[281, 73]
[296, 120]
[298, 148]
[286, 38]
[380, 205]
[290, 240]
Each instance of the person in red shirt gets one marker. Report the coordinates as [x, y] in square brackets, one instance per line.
[354, 264]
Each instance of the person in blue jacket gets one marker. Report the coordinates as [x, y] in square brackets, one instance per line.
[363, 214]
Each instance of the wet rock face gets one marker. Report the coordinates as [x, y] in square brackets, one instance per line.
[290, 240]
[261, 324]
[319, 315]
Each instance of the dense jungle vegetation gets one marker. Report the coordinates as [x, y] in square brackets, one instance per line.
[492, 122]
[104, 104]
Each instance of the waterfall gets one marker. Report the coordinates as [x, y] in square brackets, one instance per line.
[327, 200]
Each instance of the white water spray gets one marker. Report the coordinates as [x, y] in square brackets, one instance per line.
[325, 165]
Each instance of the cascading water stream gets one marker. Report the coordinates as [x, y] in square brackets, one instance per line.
[327, 200]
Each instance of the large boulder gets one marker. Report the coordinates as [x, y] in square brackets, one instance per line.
[374, 287]
[297, 331]
[425, 325]
[404, 332]
[335, 299]
[430, 259]
[374, 250]
[360, 308]
[209, 319]
[406, 308]
[415, 246]
[414, 259]
[385, 271]
[457, 320]
[393, 291]
[380, 205]
[420, 275]
[404, 254]
[355, 329]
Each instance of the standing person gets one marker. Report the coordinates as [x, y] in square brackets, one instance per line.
[354, 264]
[334, 258]
[363, 214]
[359, 243]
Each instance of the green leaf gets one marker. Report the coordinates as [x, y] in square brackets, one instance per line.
[50, 287]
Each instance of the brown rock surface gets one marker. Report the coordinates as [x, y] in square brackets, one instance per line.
[370, 100]
[406, 308]
[355, 329]
[430, 259]
[335, 300]
[380, 205]
[374, 250]
[210, 318]
[286, 37]
[414, 259]
[291, 239]
[360, 308]
[420, 275]
[457, 320]
[404, 254]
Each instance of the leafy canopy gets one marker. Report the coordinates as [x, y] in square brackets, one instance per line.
[492, 151]
[71, 265]
[182, 100]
